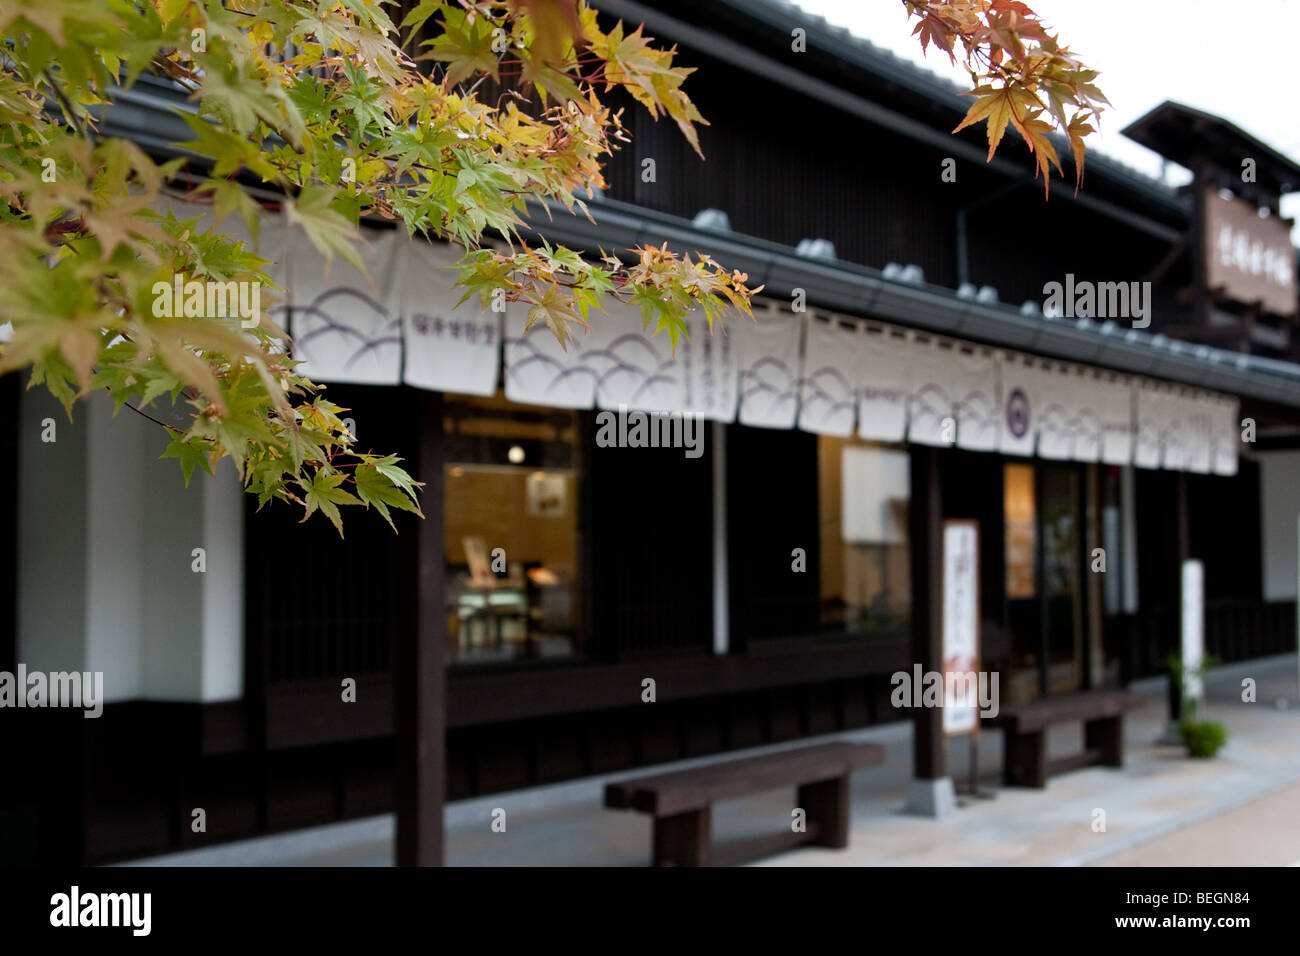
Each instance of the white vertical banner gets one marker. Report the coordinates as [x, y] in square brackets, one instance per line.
[1128, 518]
[270, 244]
[1149, 426]
[1088, 420]
[1175, 438]
[1117, 421]
[1193, 627]
[711, 367]
[931, 418]
[270, 225]
[882, 384]
[721, 585]
[975, 397]
[874, 483]
[540, 371]
[1200, 417]
[1226, 436]
[633, 367]
[344, 323]
[769, 368]
[1018, 375]
[828, 392]
[1058, 404]
[961, 649]
[447, 347]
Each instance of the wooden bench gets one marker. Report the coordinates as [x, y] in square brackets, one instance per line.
[1024, 759]
[681, 801]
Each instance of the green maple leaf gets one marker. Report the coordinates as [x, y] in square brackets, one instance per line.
[190, 454]
[329, 231]
[387, 466]
[324, 493]
[378, 489]
[464, 46]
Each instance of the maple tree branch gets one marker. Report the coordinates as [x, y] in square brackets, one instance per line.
[73, 119]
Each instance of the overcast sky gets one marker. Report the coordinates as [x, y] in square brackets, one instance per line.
[1205, 53]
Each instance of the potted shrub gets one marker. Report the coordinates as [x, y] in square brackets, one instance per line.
[1202, 738]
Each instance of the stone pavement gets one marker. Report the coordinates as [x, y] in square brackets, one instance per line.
[1264, 832]
[1161, 809]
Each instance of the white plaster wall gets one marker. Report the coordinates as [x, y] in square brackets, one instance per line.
[223, 594]
[115, 513]
[172, 594]
[51, 536]
[1279, 506]
[106, 538]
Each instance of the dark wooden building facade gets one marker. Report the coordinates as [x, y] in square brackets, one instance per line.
[842, 143]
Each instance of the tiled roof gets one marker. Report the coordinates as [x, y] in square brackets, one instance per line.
[876, 59]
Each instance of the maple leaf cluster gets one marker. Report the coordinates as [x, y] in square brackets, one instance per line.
[1022, 76]
[345, 115]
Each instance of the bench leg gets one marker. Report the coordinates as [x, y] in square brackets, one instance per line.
[1024, 761]
[827, 807]
[682, 839]
[1107, 735]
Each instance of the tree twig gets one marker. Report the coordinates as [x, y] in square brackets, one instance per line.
[68, 111]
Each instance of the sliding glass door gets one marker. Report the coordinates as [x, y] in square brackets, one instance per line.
[1062, 577]
[1042, 508]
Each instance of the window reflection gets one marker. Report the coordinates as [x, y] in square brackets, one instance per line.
[865, 572]
[1041, 505]
[1019, 509]
[510, 530]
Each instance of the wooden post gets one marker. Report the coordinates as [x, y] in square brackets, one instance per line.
[721, 585]
[1184, 552]
[9, 505]
[1094, 656]
[683, 839]
[1040, 576]
[827, 804]
[1106, 734]
[419, 672]
[1024, 760]
[925, 518]
[1200, 294]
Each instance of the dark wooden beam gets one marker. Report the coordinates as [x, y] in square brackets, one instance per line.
[1040, 576]
[925, 521]
[1200, 292]
[298, 714]
[1226, 335]
[9, 504]
[420, 671]
[1176, 251]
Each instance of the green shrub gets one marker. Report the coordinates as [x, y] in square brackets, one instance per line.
[1204, 738]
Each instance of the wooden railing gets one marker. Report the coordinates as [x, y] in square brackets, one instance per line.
[1235, 630]
[1240, 630]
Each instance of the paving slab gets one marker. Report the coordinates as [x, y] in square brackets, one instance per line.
[1162, 808]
